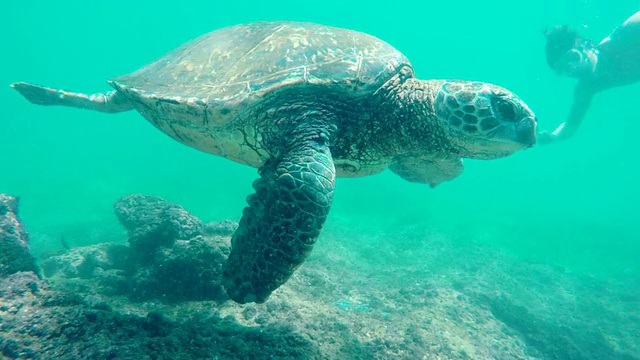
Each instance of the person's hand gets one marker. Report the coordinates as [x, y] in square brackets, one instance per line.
[546, 138]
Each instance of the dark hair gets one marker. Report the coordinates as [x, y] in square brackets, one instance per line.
[560, 39]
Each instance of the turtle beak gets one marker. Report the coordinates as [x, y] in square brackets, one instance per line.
[526, 132]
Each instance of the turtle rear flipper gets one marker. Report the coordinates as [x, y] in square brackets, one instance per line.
[110, 102]
[280, 226]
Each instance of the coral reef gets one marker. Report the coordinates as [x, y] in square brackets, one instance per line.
[372, 297]
[167, 256]
[189, 270]
[152, 222]
[38, 322]
[15, 255]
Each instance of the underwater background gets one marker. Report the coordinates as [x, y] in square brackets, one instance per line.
[570, 206]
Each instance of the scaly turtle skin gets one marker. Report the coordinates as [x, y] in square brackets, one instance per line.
[305, 103]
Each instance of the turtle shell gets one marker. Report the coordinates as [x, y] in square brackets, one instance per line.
[208, 80]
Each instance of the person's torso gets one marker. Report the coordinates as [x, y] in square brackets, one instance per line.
[618, 58]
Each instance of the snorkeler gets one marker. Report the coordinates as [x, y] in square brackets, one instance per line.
[614, 62]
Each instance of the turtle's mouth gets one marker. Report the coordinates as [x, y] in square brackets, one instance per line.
[523, 136]
[501, 142]
[493, 148]
[507, 145]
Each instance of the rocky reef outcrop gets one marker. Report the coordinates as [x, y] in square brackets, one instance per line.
[15, 254]
[157, 295]
[170, 255]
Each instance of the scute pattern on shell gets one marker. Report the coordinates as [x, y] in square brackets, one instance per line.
[255, 58]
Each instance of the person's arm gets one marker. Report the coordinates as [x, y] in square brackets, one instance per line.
[582, 97]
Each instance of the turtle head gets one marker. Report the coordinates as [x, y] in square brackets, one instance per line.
[484, 121]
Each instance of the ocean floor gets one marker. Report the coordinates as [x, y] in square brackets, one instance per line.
[405, 293]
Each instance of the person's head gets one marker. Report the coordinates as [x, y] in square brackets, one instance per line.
[568, 53]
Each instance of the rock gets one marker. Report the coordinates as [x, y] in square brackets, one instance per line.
[220, 228]
[15, 254]
[50, 324]
[190, 270]
[153, 223]
[18, 284]
[83, 262]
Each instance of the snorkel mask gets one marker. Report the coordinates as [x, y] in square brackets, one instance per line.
[577, 61]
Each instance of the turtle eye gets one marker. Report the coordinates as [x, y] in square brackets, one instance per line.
[506, 109]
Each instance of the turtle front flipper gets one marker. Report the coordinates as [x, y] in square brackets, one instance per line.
[428, 169]
[283, 220]
[110, 102]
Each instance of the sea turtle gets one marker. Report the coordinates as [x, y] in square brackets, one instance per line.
[305, 103]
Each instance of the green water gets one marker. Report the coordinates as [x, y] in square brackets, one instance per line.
[573, 204]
